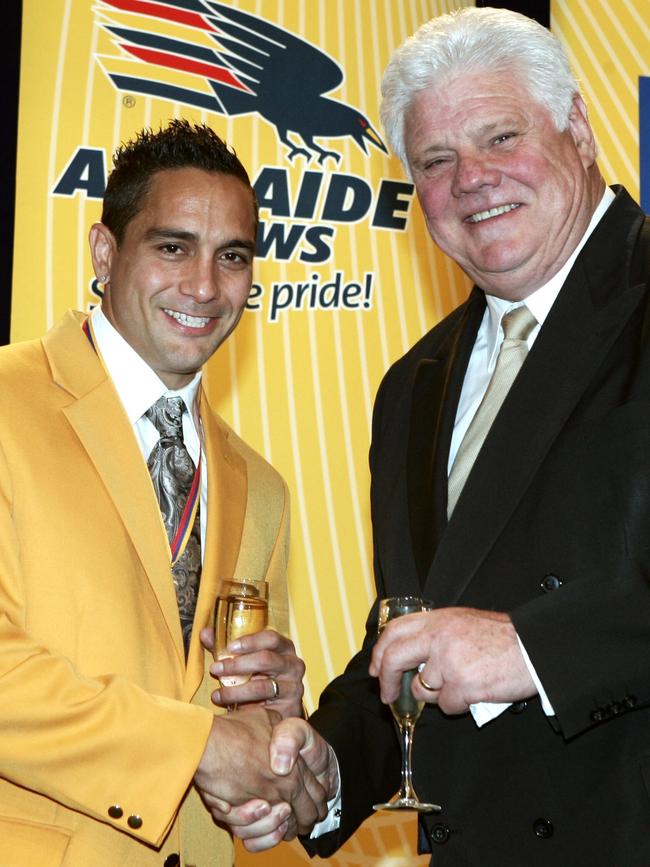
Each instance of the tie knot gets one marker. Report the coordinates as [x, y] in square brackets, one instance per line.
[518, 323]
[166, 415]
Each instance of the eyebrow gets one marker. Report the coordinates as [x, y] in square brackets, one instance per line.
[239, 242]
[157, 233]
[165, 234]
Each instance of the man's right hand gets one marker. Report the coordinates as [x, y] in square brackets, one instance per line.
[261, 826]
[294, 740]
[235, 768]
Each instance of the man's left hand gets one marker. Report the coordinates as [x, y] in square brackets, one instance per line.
[258, 825]
[271, 660]
[470, 656]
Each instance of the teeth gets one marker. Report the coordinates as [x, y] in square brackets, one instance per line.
[190, 321]
[493, 212]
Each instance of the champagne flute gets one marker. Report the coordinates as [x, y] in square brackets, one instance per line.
[242, 608]
[405, 709]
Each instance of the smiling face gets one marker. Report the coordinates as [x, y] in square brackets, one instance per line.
[180, 279]
[503, 192]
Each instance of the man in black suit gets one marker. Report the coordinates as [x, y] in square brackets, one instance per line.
[534, 539]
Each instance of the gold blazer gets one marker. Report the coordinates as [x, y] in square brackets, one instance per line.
[99, 709]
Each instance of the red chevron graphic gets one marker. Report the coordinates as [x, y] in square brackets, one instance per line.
[184, 64]
[157, 10]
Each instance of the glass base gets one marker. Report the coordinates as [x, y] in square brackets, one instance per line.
[408, 804]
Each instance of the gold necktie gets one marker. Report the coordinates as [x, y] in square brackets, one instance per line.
[517, 325]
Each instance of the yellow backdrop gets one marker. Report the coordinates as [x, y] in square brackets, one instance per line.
[349, 280]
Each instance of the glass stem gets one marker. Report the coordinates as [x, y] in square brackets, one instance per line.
[406, 741]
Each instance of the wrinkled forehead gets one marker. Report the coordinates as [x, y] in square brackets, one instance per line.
[467, 102]
[444, 92]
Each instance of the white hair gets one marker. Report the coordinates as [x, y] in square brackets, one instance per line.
[474, 40]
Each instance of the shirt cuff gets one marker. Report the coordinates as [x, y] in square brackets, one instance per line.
[332, 821]
[547, 707]
[485, 711]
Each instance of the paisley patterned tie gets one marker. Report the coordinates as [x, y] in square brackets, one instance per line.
[172, 472]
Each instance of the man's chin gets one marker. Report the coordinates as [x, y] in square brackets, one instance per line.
[182, 366]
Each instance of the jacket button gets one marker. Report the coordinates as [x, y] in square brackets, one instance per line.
[614, 708]
[543, 828]
[598, 715]
[115, 812]
[518, 706]
[172, 860]
[440, 833]
[550, 583]
[629, 702]
[134, 822]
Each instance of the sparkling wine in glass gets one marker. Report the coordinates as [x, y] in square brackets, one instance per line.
[242, 608]
[405, 709]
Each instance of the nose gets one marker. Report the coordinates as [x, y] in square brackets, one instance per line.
[200, 281]
[474, 171]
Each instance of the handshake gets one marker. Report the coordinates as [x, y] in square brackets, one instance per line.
[264, 773]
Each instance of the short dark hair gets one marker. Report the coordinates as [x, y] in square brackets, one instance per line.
[178, 145]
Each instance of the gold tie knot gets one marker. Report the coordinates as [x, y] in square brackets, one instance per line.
[518, 323]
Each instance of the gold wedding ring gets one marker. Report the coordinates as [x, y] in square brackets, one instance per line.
[424, 684]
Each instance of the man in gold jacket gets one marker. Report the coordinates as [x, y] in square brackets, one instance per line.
[107, 733]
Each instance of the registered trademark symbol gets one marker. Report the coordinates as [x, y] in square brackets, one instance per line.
[128, 101]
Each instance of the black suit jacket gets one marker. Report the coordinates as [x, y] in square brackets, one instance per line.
[553, 526]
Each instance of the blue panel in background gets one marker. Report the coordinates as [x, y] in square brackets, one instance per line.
[644, 141]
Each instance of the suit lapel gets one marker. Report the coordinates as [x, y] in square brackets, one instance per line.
[436, 391]
[590, 312]
[104, 431]
[227, 498]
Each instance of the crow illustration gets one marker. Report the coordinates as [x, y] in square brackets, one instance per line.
[255, 68]
[287, 77]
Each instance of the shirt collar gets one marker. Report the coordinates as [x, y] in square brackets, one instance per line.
[541, 300]
[137, 385]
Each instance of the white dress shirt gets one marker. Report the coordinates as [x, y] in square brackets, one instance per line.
[139, 387]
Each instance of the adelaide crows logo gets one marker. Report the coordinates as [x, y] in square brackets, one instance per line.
[211, 56]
